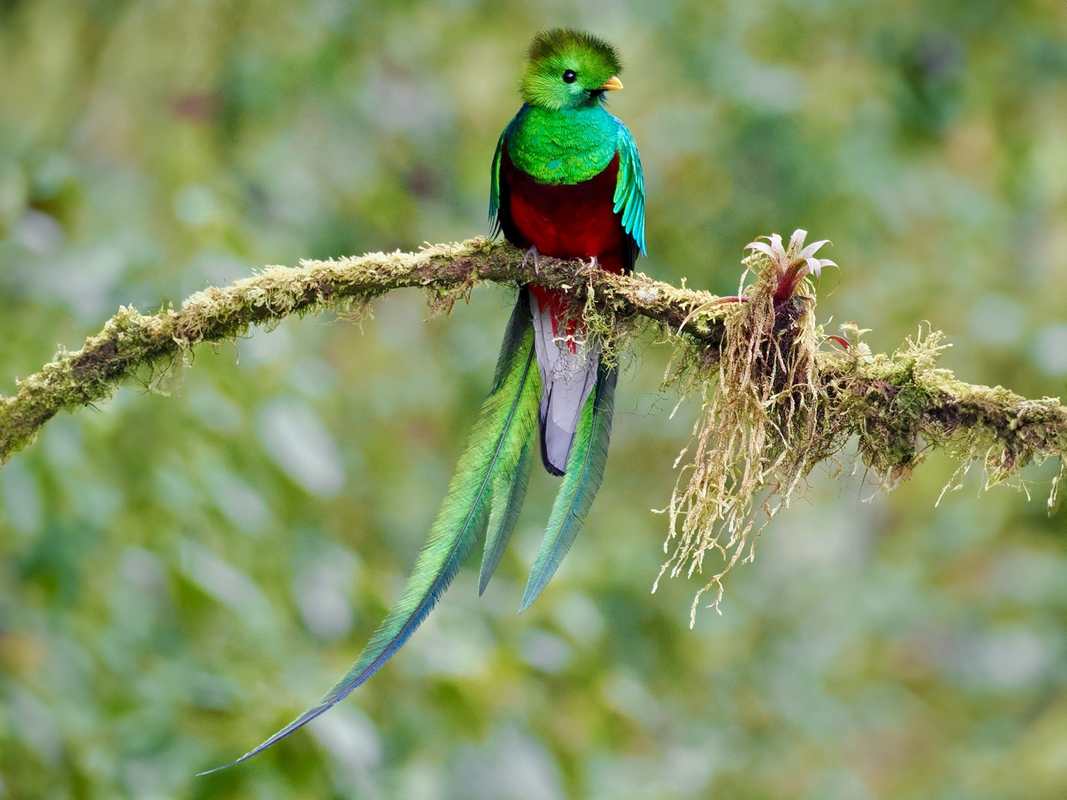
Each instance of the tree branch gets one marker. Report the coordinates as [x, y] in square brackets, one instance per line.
[131, 342]
[898, 405]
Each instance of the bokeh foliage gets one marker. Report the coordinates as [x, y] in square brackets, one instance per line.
[184, 569]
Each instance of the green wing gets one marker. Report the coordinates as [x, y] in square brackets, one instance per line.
[630, 188]
[479, 494]
[585, 470]
[495, 221]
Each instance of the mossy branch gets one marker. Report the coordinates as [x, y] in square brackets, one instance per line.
[131, 343]
[777, 398]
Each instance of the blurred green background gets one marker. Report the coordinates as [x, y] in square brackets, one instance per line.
[182, 573]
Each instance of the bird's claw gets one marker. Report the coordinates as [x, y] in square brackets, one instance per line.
[586, 268]
[532, 253]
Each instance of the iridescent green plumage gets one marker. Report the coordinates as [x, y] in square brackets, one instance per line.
[585, 470]
[630, 188]
[591, 61]
[485, 491]
[507, 504]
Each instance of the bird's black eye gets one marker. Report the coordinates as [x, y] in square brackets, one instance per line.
[570, 76]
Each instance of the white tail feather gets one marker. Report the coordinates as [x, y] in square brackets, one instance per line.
[568, 377]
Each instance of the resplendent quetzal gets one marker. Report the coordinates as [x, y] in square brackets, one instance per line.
[566, 182]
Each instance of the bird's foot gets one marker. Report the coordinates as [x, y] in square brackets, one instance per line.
[533, 253]
[587, 268]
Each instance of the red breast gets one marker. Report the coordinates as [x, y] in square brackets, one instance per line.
[568, 220]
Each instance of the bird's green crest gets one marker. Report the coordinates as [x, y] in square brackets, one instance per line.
[568, 69]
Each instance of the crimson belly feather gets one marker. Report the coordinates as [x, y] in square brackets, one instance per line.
[565, 221]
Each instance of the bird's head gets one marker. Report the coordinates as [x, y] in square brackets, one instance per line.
[569, 69]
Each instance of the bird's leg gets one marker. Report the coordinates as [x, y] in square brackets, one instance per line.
[533, 253]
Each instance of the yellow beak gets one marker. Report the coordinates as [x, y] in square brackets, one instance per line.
[612, 84]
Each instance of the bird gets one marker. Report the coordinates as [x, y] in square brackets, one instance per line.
[566, 182]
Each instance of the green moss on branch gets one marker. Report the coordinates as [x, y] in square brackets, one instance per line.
[900, 406]
[131, 342]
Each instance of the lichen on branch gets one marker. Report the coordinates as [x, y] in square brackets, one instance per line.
[778, 397]
[131, 343]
